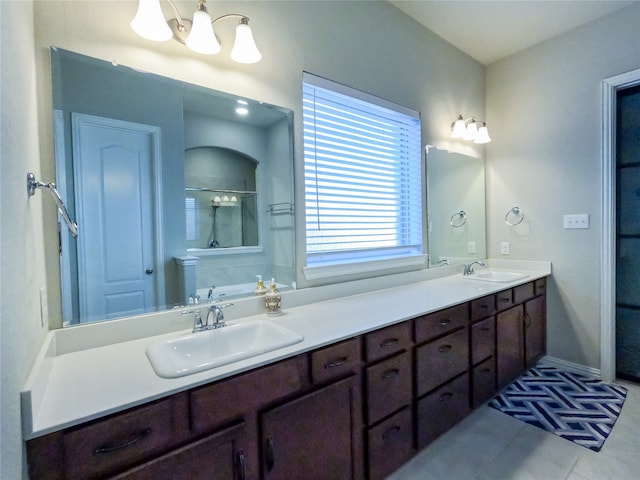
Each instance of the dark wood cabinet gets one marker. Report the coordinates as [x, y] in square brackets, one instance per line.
[510, 341]
[311, 437]
[355, 409]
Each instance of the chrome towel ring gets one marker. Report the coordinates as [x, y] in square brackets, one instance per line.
[516, 214]
[458, 219]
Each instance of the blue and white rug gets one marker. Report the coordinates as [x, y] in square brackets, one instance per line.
[577, 408]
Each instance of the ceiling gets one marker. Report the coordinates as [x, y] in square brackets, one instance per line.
[490, 30]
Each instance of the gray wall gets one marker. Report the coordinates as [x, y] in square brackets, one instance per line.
[544, 109]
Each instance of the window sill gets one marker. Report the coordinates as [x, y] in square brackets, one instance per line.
[327, 271]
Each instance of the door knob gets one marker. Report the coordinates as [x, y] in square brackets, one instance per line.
[149, 271]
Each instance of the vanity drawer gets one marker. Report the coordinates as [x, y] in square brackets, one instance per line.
[441, 360]
[483, 381]
[439, 411]
[541, 286]
[336, 361]
[217, 404]
[387, 341]
[390, 444]
[388, 386]
[523, 292]
[483, 340]
[119, 441]
[504, 299]
[483, 307]
[438, 323]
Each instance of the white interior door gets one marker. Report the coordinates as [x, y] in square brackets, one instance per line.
[114, 164]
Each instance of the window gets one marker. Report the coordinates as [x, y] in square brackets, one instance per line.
[363, 177]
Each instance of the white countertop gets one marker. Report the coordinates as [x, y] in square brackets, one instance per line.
[71, 387]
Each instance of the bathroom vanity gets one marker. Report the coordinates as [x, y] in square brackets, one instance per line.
[378, 377]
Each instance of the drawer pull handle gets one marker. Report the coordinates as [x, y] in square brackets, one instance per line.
[445, 348]
[389, 342]
[390, 432]
[128, 443]
[446, 396]
[485, 329]
[271, 459]
[486, 370]
[336, 363]
[241, 466]
[445, 321]
[390, 373]
[505, 300]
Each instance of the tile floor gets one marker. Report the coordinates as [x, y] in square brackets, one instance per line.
[490, 445]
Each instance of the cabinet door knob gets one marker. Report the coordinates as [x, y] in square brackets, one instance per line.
[135, 439]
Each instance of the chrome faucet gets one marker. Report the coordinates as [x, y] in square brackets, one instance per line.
[215, 317]
[468, 269]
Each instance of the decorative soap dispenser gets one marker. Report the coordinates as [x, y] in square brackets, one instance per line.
[272, 300]
[260, 288]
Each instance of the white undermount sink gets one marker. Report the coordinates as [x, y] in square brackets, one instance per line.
[497, 276]
[200, 351]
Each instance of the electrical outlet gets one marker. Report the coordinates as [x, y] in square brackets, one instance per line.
[504, 248]
[471, 247]
[576, 220]
[44, 307]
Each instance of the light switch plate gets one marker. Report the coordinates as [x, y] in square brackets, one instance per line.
[471, 247]
[576, 220]
[504, 248]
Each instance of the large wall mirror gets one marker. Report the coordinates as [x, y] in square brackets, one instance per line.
[178, 191]
[456, 207]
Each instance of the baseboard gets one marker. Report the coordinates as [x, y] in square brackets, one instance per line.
[570, 366]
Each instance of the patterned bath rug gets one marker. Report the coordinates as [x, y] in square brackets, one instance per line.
[575, 407]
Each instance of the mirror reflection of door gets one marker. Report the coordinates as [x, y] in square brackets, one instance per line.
[114, 163]
[220, 198]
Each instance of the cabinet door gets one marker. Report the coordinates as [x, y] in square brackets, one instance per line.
[311, 437]
[216, 457]
[535, 329]
[509, 345]
[390, 444]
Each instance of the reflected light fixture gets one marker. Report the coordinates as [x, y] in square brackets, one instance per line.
[470, 129]
[197, 34]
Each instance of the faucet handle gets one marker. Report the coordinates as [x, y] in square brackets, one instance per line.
[197, 319]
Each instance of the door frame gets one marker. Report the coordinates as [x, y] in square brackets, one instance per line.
[610, 87]
[154, 132]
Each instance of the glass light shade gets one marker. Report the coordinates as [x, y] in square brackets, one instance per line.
[244, 48]
[201, 38]
[483, 135]
[472, 131]
[458, 128]
[150, 23]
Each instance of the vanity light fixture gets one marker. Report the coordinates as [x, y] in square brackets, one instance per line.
[197, 34]
[470, 129]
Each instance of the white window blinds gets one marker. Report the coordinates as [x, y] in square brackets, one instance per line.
[362, 165]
